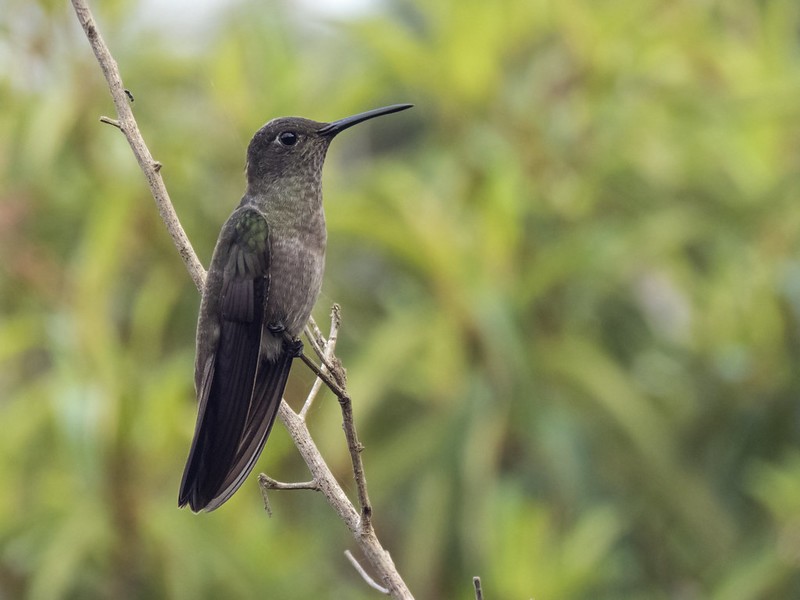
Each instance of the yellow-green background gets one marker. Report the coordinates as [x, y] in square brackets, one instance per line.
[569, 280]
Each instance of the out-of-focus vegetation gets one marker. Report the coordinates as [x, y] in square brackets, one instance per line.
[569, 278]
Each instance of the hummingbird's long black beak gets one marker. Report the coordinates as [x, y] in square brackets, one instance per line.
[331, 129]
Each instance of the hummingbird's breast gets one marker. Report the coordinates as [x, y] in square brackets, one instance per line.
[297, 264]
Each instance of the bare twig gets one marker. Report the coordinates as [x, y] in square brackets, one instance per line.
[336, 322]
[268, 483]
[476, 581]
[110, 121]
[318, 343]
[364, 575]
[312, 395]
[327, 355]
[127, 124]
[332, 365]
[315, 338]
[323, 479]
[265, 497]
[356, 448]
[332, 370]
[324, 375]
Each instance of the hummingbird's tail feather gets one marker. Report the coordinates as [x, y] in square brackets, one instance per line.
[226, 390]
[267, 393]
[239, 398]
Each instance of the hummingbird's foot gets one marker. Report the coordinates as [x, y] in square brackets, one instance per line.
[276, 329]
[293, 346]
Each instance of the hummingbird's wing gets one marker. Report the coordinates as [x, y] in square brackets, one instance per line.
[238, 391]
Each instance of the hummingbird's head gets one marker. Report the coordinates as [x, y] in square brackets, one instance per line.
[295, 148]
[287, 147]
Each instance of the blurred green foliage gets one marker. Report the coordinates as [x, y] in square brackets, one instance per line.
[569, 279]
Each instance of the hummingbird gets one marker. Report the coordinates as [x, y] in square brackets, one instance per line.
[263, 281]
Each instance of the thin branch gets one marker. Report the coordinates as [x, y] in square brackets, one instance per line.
[127, 124]
[314, 329]
[476, 581]
[318, 342]
[312, 395]
[327, 355]
[356, 448]
[331, 364]
[315, 338]
[324, 375]
[334, 367]
[364, 575]
[332, 370]
[359, 525]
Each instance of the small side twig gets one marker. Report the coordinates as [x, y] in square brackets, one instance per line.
[364, 575]
[110, 121]
[327, 355]
[476, 581]
[318, 343]
[268, 483]
[315, 338]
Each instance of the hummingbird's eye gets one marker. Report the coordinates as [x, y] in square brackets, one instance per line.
[287, 138]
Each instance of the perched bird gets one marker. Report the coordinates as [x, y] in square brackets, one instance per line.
[264, 278]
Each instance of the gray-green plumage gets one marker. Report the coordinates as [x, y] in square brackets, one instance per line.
[264, 278]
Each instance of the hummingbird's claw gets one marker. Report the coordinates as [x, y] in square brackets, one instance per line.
[293, 346]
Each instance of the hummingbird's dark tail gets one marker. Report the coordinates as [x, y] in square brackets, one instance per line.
[244, 393]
